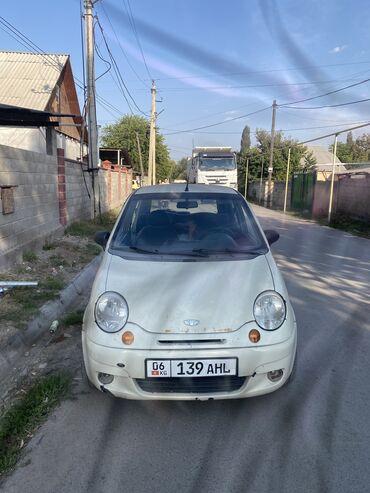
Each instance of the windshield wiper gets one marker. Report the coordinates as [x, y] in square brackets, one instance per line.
[208, 251]
[158, 252]
[142, 250]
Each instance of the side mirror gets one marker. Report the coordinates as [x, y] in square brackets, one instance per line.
[271, 236]
[101, 238]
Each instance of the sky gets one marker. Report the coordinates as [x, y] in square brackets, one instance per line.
[215, 62]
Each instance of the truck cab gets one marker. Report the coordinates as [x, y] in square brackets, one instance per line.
[213, 166]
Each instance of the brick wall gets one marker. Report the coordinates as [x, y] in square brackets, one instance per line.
[49, 192]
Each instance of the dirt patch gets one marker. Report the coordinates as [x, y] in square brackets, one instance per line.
[53, 269]
[55, 353]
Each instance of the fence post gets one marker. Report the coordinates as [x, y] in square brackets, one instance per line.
[332, 178]
[286, 181]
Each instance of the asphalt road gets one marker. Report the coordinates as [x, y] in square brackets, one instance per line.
[311, 436]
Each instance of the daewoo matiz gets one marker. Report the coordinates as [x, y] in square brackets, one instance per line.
[188, 302]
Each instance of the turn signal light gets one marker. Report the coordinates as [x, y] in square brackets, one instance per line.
[128, 337]
[254, 335]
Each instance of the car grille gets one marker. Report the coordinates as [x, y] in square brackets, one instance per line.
[216, 179]
[197, 385]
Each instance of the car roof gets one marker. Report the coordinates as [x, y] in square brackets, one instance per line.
[180, 187]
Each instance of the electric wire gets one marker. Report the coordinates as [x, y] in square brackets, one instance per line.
[326, 94]
[219, 123]
[134, 29]
[264, 71]
[327, 105]
[118, 72]
[122, 49]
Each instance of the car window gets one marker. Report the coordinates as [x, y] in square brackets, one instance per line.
[188, 223]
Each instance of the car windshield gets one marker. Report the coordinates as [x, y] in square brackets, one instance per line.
[195, 224]
[209, 164]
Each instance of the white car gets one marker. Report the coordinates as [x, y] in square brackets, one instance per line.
[188, 302]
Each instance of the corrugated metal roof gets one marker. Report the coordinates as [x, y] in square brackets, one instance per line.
[321, 155]
[27, 79]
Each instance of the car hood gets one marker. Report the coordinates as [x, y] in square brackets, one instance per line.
[189, 297]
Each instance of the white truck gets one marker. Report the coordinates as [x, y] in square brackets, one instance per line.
[213, 166]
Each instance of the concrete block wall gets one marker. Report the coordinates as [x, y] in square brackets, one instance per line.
[36, 211]
[353, 195]
[49, 193]
[78, 188]
[258, 193]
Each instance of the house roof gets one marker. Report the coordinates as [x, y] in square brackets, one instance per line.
[322, 155]
[27, 80]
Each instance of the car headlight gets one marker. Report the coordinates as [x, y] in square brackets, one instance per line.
[111, 312]
[269, 310]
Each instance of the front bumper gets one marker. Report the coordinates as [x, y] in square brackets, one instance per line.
[254, 364]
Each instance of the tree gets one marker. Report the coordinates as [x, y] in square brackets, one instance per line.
[259, 158]
[245, 143]
[353, 151]
[123, 136]
[179, 171]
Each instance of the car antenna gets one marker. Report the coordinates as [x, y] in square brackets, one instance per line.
[187, 183]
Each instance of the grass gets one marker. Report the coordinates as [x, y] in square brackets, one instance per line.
[57, 260]
[73, 318]
[88, 228]
[353, 226]
[20, 421]
[49, 246]
[29, 257]
[27, 300]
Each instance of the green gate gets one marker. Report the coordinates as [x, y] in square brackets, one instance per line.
[302, 191]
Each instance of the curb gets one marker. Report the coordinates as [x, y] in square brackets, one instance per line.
[73, 296]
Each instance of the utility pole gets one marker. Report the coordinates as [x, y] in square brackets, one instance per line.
[91, 103]
[287, 181]
[140, 157]
[152, 163]
[261, 180]
[270, 169]
[332, 178]
[246, 178]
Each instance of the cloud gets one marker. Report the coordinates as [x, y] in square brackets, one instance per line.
[338, 49]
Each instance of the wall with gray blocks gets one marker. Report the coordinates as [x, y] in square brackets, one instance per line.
[36, 216]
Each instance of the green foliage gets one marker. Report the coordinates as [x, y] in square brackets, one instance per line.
[29, 256]
[123, 135]
[73, 318]
[105, 222]
[245, 142]
[21, 420]
[354, 151]
[180, 169]
[258, 157]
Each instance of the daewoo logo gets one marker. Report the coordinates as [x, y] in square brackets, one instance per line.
[191, 322]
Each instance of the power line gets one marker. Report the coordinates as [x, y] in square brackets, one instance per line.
[265, 71]
[335, 133]
[134, 29]
[123, 51]
[283, 84]
[283, 129]
[118, 72]
[33, 47]
[219, 123]
[326, 94]
[327, 105]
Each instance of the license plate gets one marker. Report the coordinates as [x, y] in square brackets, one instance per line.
[191, 367]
